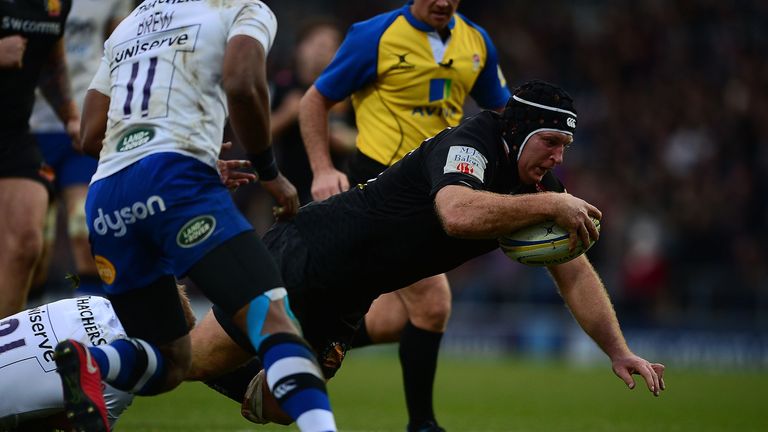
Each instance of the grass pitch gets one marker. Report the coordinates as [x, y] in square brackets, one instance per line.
[493, 395]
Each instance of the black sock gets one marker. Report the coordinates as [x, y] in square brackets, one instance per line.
[89, 284]
[418, 358]
[361, 338]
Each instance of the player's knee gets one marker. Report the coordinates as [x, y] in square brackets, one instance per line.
[177, 357]
[76, 221]
[431, 315]
[25, 245]
[430, 312]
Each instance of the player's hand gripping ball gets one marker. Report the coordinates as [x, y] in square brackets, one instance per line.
[542, 244]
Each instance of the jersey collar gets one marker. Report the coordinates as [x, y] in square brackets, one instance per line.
[421, 25]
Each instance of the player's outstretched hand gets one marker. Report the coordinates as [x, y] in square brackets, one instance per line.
[329, 183]
[230, 174]
[286, 196]
[652, 373]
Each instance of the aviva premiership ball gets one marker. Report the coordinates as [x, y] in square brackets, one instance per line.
[542, 244]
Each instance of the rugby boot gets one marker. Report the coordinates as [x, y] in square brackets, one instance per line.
[428, 426]
[84, 404]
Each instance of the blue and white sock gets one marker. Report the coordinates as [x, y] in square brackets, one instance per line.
[292, 372]
[297, 383]
[131, 365]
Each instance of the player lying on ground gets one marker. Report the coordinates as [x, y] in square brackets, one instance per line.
[444, 203]
[26, 364]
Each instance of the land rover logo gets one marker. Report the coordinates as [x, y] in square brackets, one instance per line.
[196, 231]
[135, 138]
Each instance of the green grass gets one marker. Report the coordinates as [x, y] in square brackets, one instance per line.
[493, 395]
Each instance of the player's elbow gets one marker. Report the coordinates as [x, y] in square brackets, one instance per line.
[315, 102]
[454, 219]
[452, 209]
[239, 89]
[456, 224]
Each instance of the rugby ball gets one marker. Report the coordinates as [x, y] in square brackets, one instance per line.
[542, 244]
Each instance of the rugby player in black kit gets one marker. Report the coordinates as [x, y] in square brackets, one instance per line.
[441, 205]
[31, 54]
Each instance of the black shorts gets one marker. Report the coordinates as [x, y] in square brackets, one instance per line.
[322, 316]
[362, 168]
[326, 325]
[20, 157]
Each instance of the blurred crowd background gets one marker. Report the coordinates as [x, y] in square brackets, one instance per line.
[672, 146]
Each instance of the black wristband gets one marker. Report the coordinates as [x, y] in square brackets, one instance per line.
[264, 164]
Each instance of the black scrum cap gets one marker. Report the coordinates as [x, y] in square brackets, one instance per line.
[537, 106]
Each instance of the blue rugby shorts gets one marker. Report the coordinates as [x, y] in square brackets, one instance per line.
[156, 217]
[71, 167]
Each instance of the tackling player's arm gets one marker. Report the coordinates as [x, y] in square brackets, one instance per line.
[469, 213]
[585, 295]
[313, 121]
[244, 79]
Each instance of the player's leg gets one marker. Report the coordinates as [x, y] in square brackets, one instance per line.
[384, 322]
[427, 306]
[40, 273]
[214, 353]
[77, 231]
[23, 204]
[240, 277]
[73, 174]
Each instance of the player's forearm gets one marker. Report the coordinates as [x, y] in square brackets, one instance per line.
[313, 121]
[585, 295]
[244, 80]
[468, 213]
[249, 118]
[55, 86]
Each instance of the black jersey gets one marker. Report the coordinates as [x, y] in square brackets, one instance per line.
[41, 22]
[386, 234]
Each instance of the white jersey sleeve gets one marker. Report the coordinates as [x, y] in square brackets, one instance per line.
[257, 21]
[27, 342]
[100, 80]
[165, 71]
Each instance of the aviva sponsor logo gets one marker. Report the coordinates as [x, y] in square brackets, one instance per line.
[135, 137]
[196, 231]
